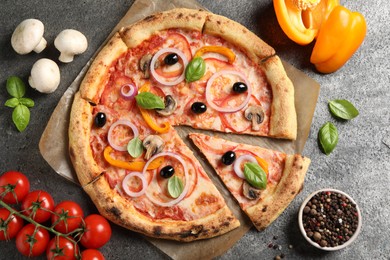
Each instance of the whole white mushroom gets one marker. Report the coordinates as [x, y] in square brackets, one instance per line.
[28, 37]
[70, 42]
[45, 76]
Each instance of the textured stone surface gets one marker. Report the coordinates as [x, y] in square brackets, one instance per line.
[359, 165]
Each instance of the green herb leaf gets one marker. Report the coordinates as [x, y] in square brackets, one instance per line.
[28, 102]
[16, 87]
[135, 147]
[328, 137]
[21, 117]
[195, 69]
[148, 100]
[343, 109]
[175, 186]
[255, 175]
[12, 102]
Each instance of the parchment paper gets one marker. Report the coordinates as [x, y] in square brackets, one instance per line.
[54, 141]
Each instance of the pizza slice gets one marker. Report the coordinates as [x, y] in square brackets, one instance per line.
[263, 181]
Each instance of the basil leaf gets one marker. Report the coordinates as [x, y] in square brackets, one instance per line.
[195, 69]
[28, 102]
[135, 147]
[175, 186]
[16, 87]
[255, 175]
[21, 117]
[12, 102]
[328, 137]
[343, 109]
[148, 100]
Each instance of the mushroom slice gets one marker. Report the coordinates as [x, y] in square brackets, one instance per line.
[250, 192]
[170, 106]
[144, 65]
[153, 144]
[256, 115]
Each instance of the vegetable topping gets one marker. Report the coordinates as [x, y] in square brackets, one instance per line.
[167, 171]
[100, 119]
[228, 158]
[198, 107]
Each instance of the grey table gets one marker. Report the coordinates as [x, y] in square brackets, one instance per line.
[359, 165]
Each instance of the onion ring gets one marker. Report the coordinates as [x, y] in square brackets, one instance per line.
[110, 137]
[125, 187]
[227, 109]
[187, 179]
[160, 79]
[130, 93]
[239, 160]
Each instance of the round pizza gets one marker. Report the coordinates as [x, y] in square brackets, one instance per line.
[179, 67]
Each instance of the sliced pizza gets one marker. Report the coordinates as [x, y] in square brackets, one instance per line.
[263, 181]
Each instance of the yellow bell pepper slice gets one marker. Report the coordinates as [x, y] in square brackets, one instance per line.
[301, 19]
[133, 166]
[340, 36]
[263, 164]
[164, 128]
[228, 53]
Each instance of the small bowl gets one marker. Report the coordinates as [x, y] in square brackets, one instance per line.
[328, 248]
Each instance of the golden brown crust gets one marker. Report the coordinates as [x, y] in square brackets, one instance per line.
[97, 75]
[267, 210]
[113, 206]
[235, 33]
[180, 18]
[283, 123]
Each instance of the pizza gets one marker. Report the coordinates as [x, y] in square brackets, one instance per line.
[179, 67]
[264, 195]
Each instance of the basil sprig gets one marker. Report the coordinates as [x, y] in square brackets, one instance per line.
[147, 100]
[195, 69]
[328, 137]
[341, 108]
[20, 104]
[255, 175]
[135, 147]
[175, 186]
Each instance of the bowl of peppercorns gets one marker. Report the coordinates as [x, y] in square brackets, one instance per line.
[329, 219]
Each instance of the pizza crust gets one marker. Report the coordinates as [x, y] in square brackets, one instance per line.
[269, 208]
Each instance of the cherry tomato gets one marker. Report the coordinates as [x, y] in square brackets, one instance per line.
[73, 214]
[98, 231]
[25, 238]
[92, 254]
[38, 204]
[61, 248]
[9, 228]
[16, 181]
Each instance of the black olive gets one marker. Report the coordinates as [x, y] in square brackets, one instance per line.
[100, 119]
[198, 107]
[171, 59]
[167, 172]
[240, 87]
[228, 158]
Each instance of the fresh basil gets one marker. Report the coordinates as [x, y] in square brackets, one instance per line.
[175, 186]
[195, 69]
[135, 147]
[255, 175]
[328, 137]
[21, 117]
[343, 109]
[148, 100]
[28, 102]
[16, 87]
[12, 102]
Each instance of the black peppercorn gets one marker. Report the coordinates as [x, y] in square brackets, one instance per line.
[100, 119]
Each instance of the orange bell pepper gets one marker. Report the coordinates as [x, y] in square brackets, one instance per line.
[263, 164]
[340, 36]
[301, 19]
[228, 53]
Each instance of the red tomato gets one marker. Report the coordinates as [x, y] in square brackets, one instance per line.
[73, 214]
[38, 205]
[98, 231]
[16, 181]
[61, 248]
[9, 227]
[25, 237]
[92, 254]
